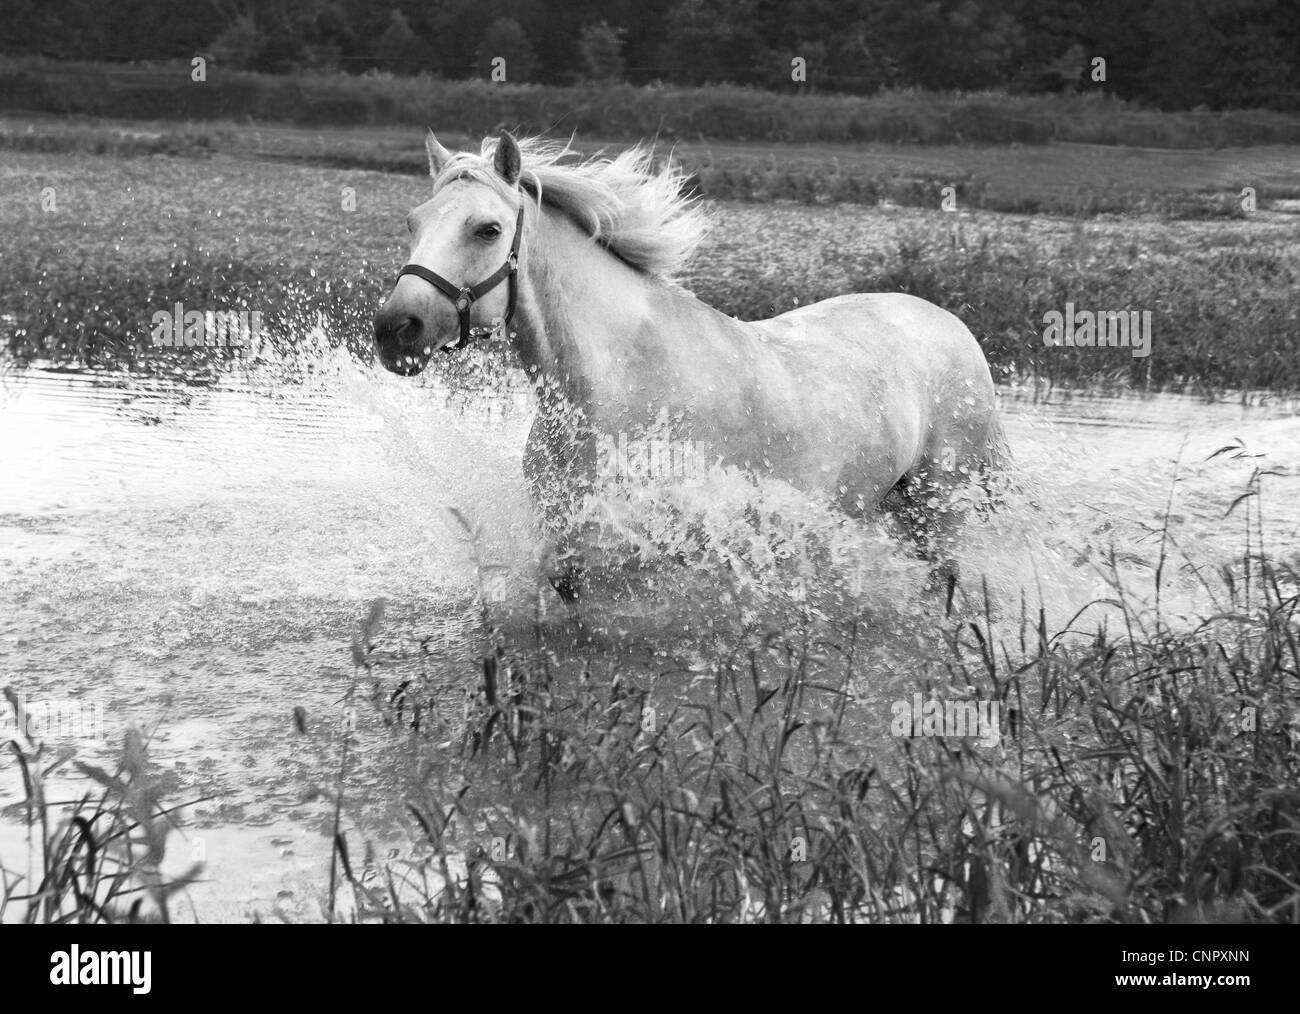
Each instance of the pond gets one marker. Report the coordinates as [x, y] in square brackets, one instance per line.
[194, 560]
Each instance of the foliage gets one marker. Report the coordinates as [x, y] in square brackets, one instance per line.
[612, 111]
[1220, 292]
[602, 52]
[1146, 776]
[505, 39]
[1175, 54]
[98, 859]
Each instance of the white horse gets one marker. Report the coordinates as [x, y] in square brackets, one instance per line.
[878, 400]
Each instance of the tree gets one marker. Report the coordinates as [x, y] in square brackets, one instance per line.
[1219, 53]
[399, 49]
[712, 41]
[602, 52]
[239, 43]
[282, 52]
[947, 44]
[505, 39]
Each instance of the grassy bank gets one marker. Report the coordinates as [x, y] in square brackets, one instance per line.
[129, 237]
[1049, 179]
[622, 111]
[1142, 776]
[1135, 772]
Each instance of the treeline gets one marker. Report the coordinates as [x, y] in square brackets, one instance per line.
[1172, 54]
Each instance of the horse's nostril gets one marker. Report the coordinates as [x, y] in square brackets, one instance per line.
[408, 331]
[401, 331]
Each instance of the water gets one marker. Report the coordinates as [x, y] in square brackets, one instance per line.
[194, 560]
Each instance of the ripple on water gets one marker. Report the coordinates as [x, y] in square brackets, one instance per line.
[197, 559]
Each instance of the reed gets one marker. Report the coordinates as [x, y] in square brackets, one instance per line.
[1146, 772]
[95, 858]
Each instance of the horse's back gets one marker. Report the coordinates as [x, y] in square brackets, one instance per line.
[909, 363]
[889, 339]
[882, 323]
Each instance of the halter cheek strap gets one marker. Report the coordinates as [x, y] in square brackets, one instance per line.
[465, 297]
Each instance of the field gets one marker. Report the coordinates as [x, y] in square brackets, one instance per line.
[213, 231]
[1060, 178]
[724, 755]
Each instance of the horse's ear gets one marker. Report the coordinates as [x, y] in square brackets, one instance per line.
[508, 159]
[438, 155]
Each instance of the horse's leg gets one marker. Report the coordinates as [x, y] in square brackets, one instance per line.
[867, 484]
[924, 506]
[935, 500]
[869, 487]
[549, 468]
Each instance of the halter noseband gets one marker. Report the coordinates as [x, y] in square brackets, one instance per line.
[465, 297]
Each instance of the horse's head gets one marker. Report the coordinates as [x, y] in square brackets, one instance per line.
[461, 269]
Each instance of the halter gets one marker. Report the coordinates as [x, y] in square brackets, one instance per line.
[465, 297]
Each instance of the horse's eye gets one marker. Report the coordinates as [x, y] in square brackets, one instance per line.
[489, 232]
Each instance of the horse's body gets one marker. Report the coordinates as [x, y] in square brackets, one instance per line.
[858, 397]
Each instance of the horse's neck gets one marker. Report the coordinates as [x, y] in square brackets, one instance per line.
[575, 295]
[588, 319]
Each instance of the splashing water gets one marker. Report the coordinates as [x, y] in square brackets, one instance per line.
[196, 557]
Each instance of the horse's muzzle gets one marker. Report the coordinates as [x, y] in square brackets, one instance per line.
[402, 342]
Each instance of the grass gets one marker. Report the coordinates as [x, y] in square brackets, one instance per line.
[97, 858]
[1146, 768]
[221, 233]
[1146, 772]
[1082, 182]
[623, 111]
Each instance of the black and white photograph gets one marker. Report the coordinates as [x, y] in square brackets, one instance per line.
[674, 461]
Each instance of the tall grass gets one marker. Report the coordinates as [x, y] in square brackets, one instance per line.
[1145, 770]
[622, 111]
[1222, 304]
[1146, 774]
[770, 179]
[763, 176]
[96, 858]
[1222, 309]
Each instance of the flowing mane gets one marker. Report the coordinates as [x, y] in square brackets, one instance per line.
[626, 204]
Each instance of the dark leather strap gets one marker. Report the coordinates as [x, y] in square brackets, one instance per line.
[464, 297]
